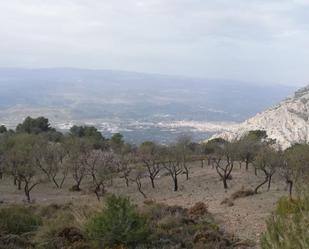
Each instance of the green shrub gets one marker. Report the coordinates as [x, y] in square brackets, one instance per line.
[18, 220]
[288, 227]
[118, 224]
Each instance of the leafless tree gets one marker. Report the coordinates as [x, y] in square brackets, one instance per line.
[123, 166]
[149, 154]
[79, 151]
[52, 159]
[172, 162]
[182, 146]
[100, 166]
[136, 176]
[224, 158]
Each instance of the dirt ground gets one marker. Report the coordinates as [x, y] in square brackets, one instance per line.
[246, 219]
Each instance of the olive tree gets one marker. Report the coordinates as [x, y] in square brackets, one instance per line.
[295, 168]
[267, 160]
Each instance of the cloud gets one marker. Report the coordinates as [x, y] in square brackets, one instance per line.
[240, 39]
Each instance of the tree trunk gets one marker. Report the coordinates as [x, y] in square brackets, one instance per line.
[247, 165]
[260, 185]
[139, 186]
[27, 192]
[269, 182]
[19, 184]
[224, 182]
[55, 182]
[187, 173]
[152, 182]
[127, 181]
[255, 171]
[175, 183]
[290, 188]
[202, 163]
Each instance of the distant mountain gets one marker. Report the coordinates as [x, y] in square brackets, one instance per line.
[287, 122]
[141, 106]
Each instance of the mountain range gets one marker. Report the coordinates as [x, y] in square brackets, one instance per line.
[141, 106]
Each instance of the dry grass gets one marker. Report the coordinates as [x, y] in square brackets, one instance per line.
[245, 219]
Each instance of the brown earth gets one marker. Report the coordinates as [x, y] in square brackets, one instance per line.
[246, 218]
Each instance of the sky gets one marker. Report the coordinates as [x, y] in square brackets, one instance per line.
[247, 40]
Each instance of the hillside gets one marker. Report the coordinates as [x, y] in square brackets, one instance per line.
[141, 106]
[287, 122]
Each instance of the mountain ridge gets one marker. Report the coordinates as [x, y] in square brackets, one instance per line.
[287, 122]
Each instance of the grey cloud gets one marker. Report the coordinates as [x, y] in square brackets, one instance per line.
[247, 40]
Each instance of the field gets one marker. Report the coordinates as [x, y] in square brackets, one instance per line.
[245, 217]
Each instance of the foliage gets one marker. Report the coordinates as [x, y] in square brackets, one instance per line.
[18, 220]
[34, 125]
[288, 227]
[118, 224]
[3, 129]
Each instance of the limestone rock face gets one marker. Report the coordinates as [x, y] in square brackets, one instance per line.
[287, 122]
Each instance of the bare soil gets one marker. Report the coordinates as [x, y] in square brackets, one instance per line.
[246, 218]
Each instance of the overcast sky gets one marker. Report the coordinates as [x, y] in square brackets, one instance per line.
[249, 40]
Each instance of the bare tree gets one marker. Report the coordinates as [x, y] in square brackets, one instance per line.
[21, 162]
[52, 158]
[149, 155]
[79, 150]
[224, 157]
[172, 162]
[123, 166]
[100, 167]
[136, 175]
[183, 147]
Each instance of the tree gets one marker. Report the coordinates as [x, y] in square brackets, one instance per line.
[123, 166]
[116, 142]
[119, 225]
[137, 174]
[249, 144]
[224, 158]
[211, 146]
[52, 159]
[79, 149]
[149, 155]
[101, 168]
[3, 129]
[267, 160]
[183, 147]
[34, 126]
[21, 161]
[172, 162]
[92, 134]
[295, 168]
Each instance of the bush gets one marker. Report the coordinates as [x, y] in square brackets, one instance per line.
[18, 220]
[118, 224]
[288, 228]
